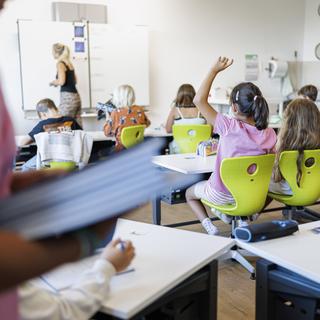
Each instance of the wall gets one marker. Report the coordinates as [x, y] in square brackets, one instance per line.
[185, 38]
[311, 65]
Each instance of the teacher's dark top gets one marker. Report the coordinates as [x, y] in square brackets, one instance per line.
[70, 83]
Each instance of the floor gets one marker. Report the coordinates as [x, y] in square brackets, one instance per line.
[235, 302]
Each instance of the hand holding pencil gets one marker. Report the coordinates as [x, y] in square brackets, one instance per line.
[119, 253]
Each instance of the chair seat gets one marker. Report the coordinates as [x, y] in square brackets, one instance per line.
[290, 200]
[230, 209]
[223, 208]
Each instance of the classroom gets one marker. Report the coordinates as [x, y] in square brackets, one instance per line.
[159, 159]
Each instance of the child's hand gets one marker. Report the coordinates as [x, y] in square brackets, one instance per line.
[221, 64]
[120, 257]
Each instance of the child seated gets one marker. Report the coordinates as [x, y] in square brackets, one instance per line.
[308, 92]
[183, 111]
[245, 134]
[300, 131]
[83, 299]
[126, 114]
[51, 120]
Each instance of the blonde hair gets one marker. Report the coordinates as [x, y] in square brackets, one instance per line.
[300, 131]
[123, 96]
[62, 52]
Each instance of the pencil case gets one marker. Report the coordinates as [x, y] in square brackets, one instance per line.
[207, 148]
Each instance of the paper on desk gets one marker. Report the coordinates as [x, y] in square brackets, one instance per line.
[97, 193]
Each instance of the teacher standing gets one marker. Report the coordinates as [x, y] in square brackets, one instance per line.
[70, 102]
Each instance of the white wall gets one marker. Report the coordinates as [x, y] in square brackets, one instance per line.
[311, 65]
[185, 37]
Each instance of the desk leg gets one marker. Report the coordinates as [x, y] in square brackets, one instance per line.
[264, 304]
[156, 210]
[209, 300]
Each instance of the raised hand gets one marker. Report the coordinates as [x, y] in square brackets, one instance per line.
[222, 64]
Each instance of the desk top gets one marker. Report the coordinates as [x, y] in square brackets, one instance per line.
[298, 253]
[99, 135]
[164, 258]
[156, 132]
[187, 163]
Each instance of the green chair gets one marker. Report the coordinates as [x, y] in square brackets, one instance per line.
[247, 179]
[188, 136]
[309, 190]
[130, 136]
[63, 165]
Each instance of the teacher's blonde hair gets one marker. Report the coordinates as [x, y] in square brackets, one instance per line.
[61, 52]
[123, 96]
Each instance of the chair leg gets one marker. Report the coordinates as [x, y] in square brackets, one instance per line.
[244, 262]
[312, 213]
[235, 255]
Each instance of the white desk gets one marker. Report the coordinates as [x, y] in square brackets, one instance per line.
[298, 253]
[162, 262]
[99, 135]
[288, 276]
[96, 136]
[156, 132]
[187, 163]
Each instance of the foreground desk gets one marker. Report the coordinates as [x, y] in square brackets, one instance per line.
[169, 264]
[288, 277]
[187, 163]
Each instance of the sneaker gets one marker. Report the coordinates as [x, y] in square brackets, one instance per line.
[209, 227]
[243, 223]
[254, 217]
[222, 216]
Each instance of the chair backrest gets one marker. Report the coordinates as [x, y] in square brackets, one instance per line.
[188, 136]
[64, 165]
[132, 135]
[309, 190]
[247, 179]
[74, 146]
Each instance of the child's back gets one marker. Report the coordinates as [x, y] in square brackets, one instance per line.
[300, 131]
[183, 109]
[245, 134]
[238, 138]
[126, 114]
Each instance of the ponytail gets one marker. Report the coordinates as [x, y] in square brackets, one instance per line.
[251, 103]
[260, 112]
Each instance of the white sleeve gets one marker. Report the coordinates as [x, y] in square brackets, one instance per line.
[81, 301]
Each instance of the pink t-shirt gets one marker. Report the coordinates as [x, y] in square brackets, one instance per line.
[237, 139]
[8, 300]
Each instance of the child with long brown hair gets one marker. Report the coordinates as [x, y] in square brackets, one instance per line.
[183, 110]
[300, 131]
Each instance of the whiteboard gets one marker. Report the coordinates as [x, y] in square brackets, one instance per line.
[118, 55]
[113, 56]
[38, 67]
